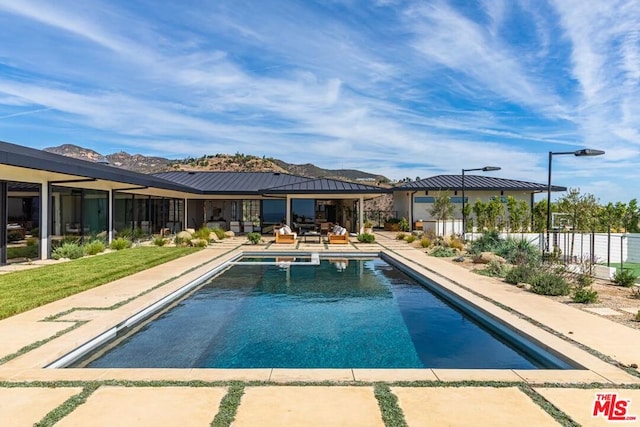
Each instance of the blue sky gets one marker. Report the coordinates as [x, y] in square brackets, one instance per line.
[401, 88]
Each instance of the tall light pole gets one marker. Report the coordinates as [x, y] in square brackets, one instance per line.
[464, 215]
[579, 153]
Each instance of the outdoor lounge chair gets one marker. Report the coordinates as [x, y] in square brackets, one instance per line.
[338, 235]
[285, 235]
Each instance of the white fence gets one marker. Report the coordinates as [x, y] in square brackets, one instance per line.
[597, 247]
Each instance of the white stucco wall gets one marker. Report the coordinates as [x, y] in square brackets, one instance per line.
[402, 204]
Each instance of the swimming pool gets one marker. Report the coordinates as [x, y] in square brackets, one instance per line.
[333, 313]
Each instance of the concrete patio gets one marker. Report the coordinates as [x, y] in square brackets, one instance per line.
[29, 393]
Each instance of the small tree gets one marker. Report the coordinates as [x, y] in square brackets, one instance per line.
[442, 208]
[632, 217]
[518, 214]
[582, 209]
[494, 210]
[480, 210]
[539, 216]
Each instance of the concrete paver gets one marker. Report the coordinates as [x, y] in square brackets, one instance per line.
[308, 406]
[579, 405]
[315, 404]
[147, 406]
[26, 406]
[292, 375]
[470, 406]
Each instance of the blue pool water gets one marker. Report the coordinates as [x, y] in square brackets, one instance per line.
[352, 313]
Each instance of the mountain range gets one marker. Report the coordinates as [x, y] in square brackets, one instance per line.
[216, 162]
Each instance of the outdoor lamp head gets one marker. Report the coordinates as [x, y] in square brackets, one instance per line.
[588, 152]
[491, 168]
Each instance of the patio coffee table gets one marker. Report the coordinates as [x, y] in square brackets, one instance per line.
[313, 235]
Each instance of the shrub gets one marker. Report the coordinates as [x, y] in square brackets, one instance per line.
[202, 233]
[425, 242]
[32, 241]
[400, 236]
[456, 243]
[637, 316]
[549, 283]
[494, 269]
[635, 292]
[404, 224]
[626, 278]
[442, 252]
[521, 273]
[138, 233]
[126, 233]
[584, 280]
[518, 251]
[410, 238]
[488, 242]
[254, 237]
[181, 241]
[159, 241]
[35, 231]
[68, 250]
[366, 238]
[94, 247]
[219, 232]
[584, 295]
[120, 243]
[198, 243]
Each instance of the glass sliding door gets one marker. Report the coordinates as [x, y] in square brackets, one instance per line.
[22, 237]
[274, 212]
[95, 213]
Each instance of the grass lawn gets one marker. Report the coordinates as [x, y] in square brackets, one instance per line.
[23, 290]
[632, 266]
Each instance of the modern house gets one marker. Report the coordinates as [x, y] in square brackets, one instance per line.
[46, 197]
[414, 200]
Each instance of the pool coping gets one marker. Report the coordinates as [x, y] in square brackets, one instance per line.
[29, 366]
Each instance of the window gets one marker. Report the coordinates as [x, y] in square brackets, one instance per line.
[251, 210]
[303, 210]
[459, 200]
[273, 211]
[427, 199]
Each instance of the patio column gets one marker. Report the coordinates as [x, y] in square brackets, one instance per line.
[288, 210]
[186, 215]
[45, 219]
[361, 214]
[110, 207]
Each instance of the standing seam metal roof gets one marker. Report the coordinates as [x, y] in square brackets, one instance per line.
[231, 182]
[474, 182]
[325, 185]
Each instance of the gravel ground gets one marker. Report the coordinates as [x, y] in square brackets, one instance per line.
[609, 296]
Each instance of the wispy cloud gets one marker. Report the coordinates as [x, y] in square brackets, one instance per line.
[403, 88]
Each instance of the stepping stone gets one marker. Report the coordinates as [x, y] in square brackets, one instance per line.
[470, 406]
[28, 405]
[604, 311]
[308, 406]
[147, 406]
[632, 310]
